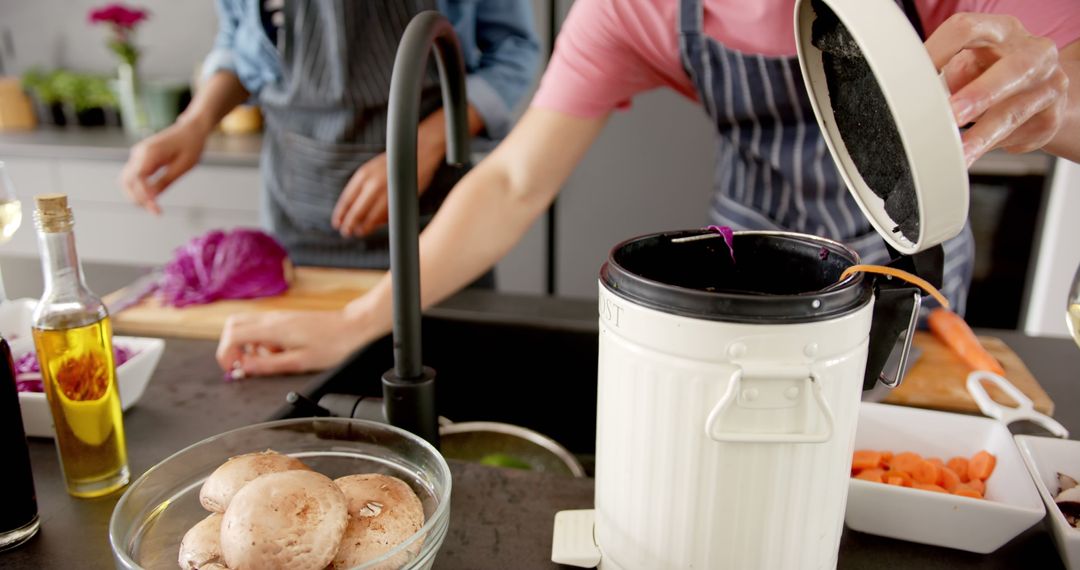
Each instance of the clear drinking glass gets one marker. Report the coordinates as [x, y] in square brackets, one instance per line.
[1072, 308]
[10, 215]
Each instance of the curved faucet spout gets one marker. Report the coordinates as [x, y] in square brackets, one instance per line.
[409, 388]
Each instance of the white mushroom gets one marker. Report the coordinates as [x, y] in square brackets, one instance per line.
[292, 519]
[383, 513]
[226, 480]
[201, 547]
[1069, 503]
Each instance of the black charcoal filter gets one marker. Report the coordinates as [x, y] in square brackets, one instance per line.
[865, 122]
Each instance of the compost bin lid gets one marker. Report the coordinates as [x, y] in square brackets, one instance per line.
[885, 115]
[778, 278]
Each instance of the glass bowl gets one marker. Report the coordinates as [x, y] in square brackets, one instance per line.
[157, 509]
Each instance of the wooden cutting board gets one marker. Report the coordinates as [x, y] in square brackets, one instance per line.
[312, 289]
[939, 378]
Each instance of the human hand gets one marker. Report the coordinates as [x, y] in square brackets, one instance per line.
[159, 160]
[1005, 80]
[364, 204]
[287, 342]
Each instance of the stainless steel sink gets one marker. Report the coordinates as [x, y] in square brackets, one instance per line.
[529, 361]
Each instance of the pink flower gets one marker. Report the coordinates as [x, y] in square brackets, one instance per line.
[118, 15]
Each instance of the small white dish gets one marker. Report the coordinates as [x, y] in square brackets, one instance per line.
[131, 377]
[1011, 505]
[1045, 458]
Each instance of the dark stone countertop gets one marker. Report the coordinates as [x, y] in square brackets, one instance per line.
[499, 518]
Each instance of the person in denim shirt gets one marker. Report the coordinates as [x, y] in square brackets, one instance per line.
[320, 71]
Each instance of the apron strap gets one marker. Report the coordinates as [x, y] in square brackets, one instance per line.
[691, 16]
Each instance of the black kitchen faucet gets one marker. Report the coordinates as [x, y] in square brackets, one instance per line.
[409, 387]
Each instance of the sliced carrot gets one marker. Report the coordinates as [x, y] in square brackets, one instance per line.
[960, 476]
[965, 491]
[865, 459]
[926, 472]
[948, 479]
[906, 462]
[959, 465]
[899, 274]
[875, 475]
[957, 335]
[981, 465]
[928, 487]
[898, 478]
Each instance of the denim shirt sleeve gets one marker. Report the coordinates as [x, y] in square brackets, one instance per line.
[241, 46]
[501, 52]
[497, 39]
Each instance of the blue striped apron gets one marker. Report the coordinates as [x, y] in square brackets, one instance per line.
[327, 116]
[773, 169]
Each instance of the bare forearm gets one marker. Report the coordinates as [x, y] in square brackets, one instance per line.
[479, 222]
[488, 211]
[221, 93]
[431, 136]
[1066, 143]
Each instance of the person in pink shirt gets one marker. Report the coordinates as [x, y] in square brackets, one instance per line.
[1008, 65]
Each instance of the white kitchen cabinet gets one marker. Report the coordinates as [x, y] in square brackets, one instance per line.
[111, 229]
[203, 187]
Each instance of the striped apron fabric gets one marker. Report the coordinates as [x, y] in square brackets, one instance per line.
[328, 116]
[773, 169]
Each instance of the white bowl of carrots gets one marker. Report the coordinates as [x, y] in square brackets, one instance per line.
[945, 479]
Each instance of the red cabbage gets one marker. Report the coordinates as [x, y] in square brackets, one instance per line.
[729, 238]
[28, 370]
[238, 264]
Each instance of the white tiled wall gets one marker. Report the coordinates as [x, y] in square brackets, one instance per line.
[55, 33]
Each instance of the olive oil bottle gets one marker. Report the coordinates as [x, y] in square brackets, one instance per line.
[74, 347]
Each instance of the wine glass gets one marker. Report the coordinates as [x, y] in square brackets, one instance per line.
[1072, 309]
[10, 215]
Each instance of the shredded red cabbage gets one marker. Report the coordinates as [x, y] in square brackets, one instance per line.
[238, 264]
[823, 254]
[28, 371]
[729, 238]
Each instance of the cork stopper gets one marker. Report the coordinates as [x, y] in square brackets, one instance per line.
[52, 213]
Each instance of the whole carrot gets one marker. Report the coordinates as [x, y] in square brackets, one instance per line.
[954, 332]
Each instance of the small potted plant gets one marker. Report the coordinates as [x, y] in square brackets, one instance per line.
[122, 21]
[47, 103]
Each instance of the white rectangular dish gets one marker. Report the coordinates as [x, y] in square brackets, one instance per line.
[132, 376]
[1011, 506]
[1045, 458]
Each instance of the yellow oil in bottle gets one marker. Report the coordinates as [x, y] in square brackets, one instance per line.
[79, 374]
